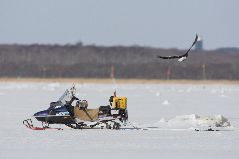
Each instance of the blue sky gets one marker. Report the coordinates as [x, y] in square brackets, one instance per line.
[156, 23]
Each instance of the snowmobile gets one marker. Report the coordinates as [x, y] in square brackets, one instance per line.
[74, 113]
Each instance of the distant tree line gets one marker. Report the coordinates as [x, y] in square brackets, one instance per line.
[90, 61]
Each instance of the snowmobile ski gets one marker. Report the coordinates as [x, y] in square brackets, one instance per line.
[28, 123]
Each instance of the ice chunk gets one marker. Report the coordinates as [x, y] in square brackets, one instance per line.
[165, 102]
[162, 120]
[157, 94]
[200, 121]
[216, 121]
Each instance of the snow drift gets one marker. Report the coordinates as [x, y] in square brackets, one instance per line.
[192, 121]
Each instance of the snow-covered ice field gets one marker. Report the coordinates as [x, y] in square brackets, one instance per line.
[148, 105]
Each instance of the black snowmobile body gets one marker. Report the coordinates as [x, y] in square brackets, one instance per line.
[59, 115]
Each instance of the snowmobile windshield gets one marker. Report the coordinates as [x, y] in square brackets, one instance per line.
[67, 95]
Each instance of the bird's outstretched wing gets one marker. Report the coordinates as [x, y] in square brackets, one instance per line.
[184, 56]
[170, 57]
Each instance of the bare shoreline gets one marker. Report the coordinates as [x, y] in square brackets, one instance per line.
[112, 81]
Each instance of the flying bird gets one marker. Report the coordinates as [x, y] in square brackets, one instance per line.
[180, 57]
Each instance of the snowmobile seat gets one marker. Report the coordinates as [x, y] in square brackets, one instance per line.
[105, 110]
[86, 114]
